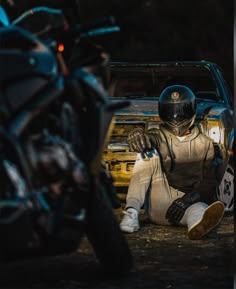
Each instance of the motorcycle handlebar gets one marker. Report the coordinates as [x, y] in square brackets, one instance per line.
[99, 23]
[105, 25]
[100, 31]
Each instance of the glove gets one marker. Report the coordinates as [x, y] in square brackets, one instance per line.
[138, 140]
[177, 209]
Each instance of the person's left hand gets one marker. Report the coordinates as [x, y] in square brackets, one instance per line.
[176, 210]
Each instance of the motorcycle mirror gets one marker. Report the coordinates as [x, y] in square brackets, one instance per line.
[40, 20]
[4, 20]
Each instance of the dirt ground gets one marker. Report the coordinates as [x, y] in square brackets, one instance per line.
[164, 258]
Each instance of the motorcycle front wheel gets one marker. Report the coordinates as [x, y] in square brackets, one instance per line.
[103, 232]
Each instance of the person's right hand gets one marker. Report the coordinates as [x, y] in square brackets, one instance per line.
[138, 140]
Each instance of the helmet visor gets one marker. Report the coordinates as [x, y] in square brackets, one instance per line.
[177, 112]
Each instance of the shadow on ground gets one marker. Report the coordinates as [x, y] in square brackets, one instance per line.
[163, 258]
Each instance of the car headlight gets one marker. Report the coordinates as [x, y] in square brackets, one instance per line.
[216, 133]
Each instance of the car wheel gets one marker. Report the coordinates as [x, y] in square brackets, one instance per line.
[226, 189]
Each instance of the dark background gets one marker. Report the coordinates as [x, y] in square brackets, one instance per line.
[161, 30]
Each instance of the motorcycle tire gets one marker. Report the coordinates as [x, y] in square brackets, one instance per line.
[103, 232]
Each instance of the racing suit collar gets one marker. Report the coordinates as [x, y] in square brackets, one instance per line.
[192, 135]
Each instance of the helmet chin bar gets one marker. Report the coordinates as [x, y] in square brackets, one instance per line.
[179, 128]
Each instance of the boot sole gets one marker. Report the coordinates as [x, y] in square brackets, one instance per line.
[211, 218]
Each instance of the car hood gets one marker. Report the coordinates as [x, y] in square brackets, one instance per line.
[150, 108]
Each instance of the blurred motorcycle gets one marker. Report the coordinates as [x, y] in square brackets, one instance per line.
[55, 118]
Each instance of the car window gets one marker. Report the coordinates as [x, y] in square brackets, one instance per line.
[134, 83]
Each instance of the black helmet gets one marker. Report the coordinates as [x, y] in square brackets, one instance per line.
[177, 108]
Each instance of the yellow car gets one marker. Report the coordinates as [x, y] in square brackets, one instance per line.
[142, 85]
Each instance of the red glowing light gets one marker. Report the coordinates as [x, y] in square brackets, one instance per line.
[60, 47]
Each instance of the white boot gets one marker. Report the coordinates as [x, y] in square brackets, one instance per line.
[130, 222]
[203, 219]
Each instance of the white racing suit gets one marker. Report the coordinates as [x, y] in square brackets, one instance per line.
[176, 167]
